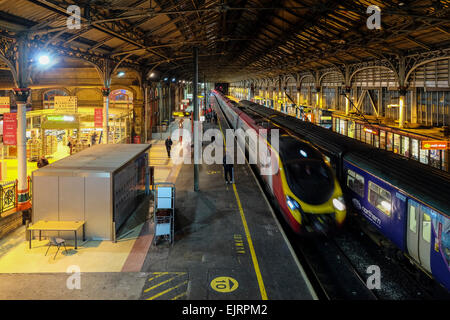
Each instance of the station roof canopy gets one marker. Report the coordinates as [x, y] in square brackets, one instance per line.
[236, 38]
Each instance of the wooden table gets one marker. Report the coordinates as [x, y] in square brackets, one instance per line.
[57, 226]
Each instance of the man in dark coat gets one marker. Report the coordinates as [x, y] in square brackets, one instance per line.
[168, 146]
[228, 168]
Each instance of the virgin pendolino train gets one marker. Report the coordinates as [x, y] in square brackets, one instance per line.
[406, 203]
[305, 188]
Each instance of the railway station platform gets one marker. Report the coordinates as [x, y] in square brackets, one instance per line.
[227, 245]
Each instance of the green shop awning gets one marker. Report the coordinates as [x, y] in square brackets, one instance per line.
[60, 122]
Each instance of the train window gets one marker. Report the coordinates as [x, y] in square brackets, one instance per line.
[382, 139]
[405, 147]
[355, 182]
[415, 149]
[396, 143]
[426, 228]
[424, 156]
[412, 217]
[380, 198]
[389, 141]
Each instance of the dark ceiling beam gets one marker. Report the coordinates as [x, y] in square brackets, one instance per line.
[55, 7]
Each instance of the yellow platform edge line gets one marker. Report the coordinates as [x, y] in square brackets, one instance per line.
[262, 288]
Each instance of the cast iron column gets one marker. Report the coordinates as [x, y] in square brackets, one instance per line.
[196, 122]
[105, 93]
[21, 95]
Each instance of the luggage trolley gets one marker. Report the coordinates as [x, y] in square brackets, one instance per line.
[164, 213]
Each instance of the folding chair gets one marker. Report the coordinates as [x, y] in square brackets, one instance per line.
[56, 242]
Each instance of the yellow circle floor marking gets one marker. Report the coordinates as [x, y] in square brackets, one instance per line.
[224, 284]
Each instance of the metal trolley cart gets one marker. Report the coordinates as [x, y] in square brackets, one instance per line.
[164, 213]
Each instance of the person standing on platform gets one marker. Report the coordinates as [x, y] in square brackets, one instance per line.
[94, 138]
[215, 117]
[168, 145]
[228, 168]
[70, 145]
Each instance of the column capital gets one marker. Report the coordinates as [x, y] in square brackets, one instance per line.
[347, 89]
[21, 94]
[402, 91]
[106, 91]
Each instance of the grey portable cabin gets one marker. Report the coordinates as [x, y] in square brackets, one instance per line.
[98, 185]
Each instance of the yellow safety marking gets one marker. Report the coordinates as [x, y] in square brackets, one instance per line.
[159, 274]
[224, 284]
[239, 243]
[179, 296]
[168, 290]
[160, 284]
[262, 288]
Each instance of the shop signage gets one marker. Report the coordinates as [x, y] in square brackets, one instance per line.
[185, 101]
[435, 145]
[5, 104]
[61, 118]
[10, 129]
[189, 95]
[66, 104]
[371, 130]
[98, 117]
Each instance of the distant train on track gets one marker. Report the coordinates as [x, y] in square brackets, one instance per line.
[305, 187]
[406, 202]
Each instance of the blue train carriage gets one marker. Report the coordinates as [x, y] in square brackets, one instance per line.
[408, 203]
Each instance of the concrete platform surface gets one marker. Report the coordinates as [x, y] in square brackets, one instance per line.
[227, 243]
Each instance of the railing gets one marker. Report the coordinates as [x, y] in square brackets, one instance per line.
[9, 194]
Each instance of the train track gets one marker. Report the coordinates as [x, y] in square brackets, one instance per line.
[398, 272]
[338, 274]
[333, 271]
[332, 275]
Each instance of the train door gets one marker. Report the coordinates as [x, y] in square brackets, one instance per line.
[419, 233]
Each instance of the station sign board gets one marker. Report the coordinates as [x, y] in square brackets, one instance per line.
[98, 117]
[371, 130]
[66, 104]
[5, 105]
[10, 129]
[435, 145]
[189, 96]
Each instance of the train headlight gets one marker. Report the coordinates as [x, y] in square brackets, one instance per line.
[292, 204]
[339, 203]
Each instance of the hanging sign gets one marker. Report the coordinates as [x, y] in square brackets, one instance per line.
[5, 105]
[98, 117]
[189, 96]
[10, 129]
[435, 145]
[66, 104]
